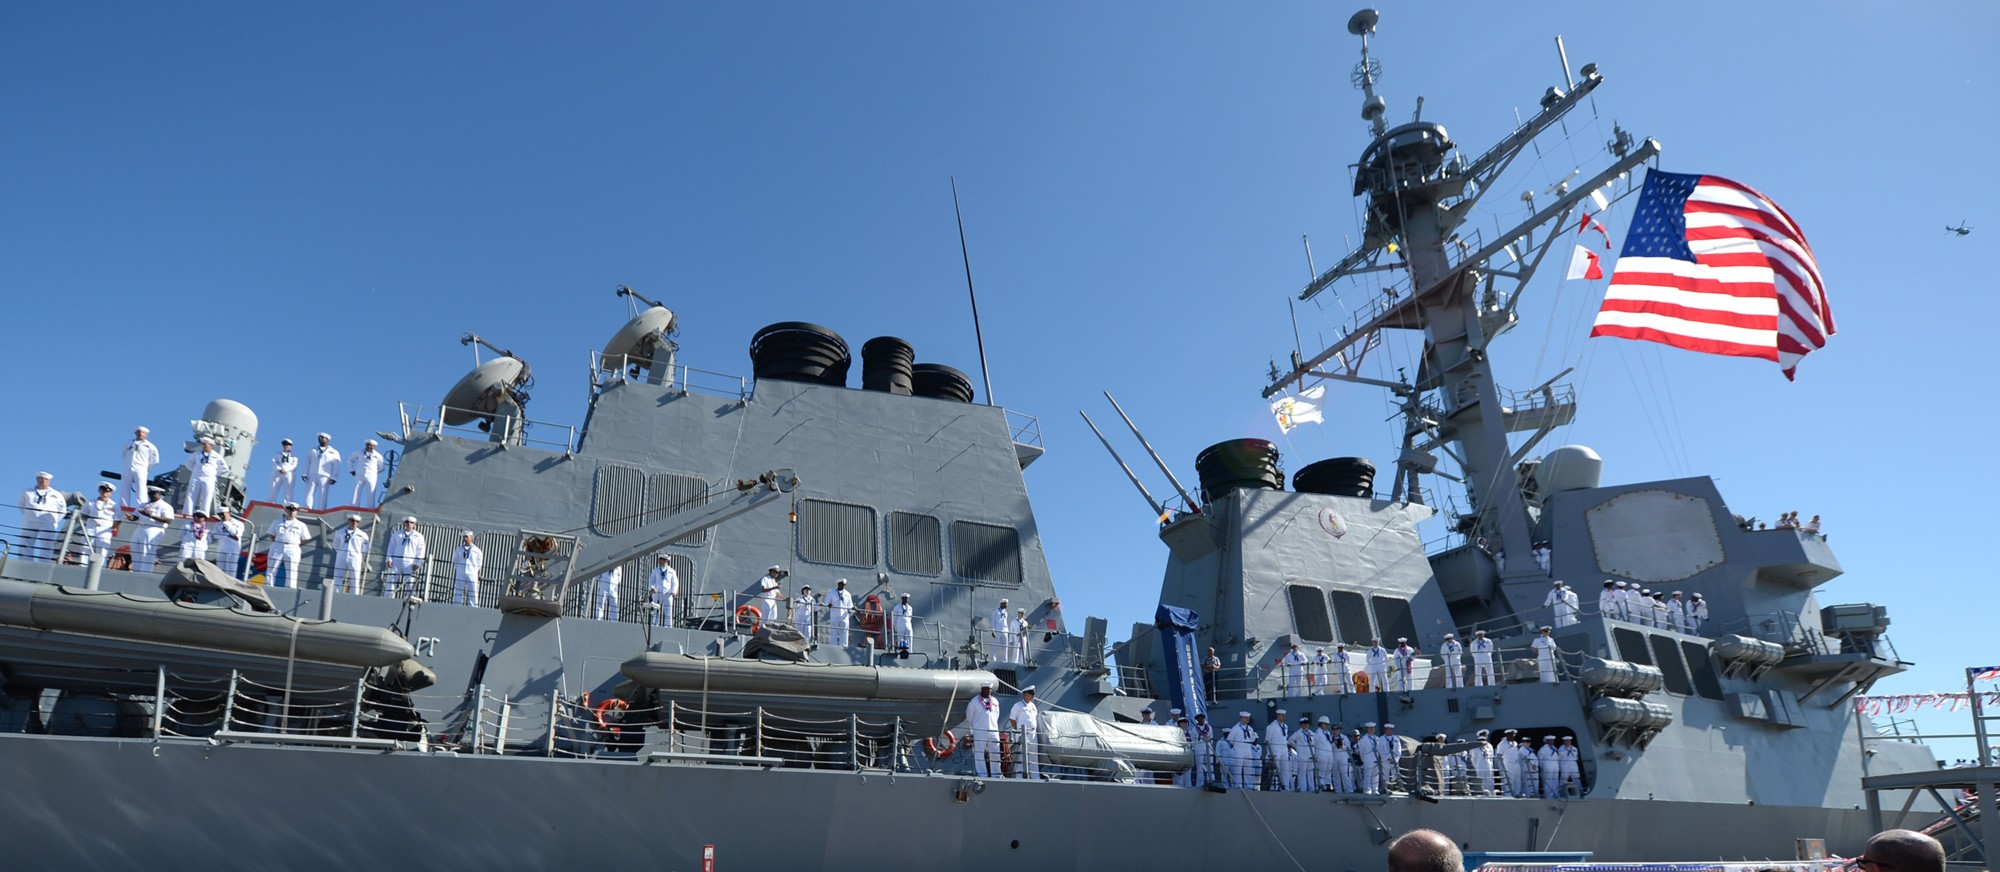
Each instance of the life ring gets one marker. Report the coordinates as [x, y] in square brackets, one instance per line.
[941, 751]
[612, 704]
[754, 615]
[869, 616]
[1360, 682]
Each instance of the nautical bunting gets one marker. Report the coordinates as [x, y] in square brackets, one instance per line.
[1903, 703]
[1710, 265]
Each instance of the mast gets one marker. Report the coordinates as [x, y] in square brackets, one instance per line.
[1418, 189]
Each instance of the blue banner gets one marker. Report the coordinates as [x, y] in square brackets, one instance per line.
[1177, 626]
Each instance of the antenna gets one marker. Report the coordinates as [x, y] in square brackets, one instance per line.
[965, 253]
[1158, 510]
[1562, 54]
[1368, 70]
[1192, 505]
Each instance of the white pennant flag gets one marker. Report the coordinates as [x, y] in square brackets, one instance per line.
[1293, 411]
[1583, 264]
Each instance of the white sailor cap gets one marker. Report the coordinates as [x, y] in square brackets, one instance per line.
[1031, 689]
[1369, 725]
[1020, 611]
[143, 428]
[326, 436]
[409, 519]
[105, 486]
[775, 568]
[660, 556]
[1697, 596]
[1401, 639]
[1242, 714]
[986, 684]
[284, 442]
[206, 440]
[1003, 600]
[805, 587]
[354, 519]
[1546, 628]
[1173, 711]
[1677, 593]
[840, 581]
[1325, 720]
[1451, 635]
[1622, 584]
[906, 596]
[1548, 738]
[1569, 738]
[44, 475]
[1200, 715]
[289, 505]
[1558, 583]
[1281, 711]
[1321, 649]
[465, 534]
[1388, 726]
[1481, 734]
[1609, 582]
[1181, 718]
[1509, 732]
[1479, 632]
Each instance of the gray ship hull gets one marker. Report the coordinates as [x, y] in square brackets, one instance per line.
[193, 804]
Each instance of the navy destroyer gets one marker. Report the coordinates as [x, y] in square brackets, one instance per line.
[202, 716]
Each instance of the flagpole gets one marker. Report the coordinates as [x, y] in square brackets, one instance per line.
[966, 254]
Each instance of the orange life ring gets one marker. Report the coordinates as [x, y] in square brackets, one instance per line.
[941, 751]
[869, 615]
[756, 616]
[611, 704]
[1360, 682]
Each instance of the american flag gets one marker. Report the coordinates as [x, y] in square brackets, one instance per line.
[1988, 673]
[1711, 265]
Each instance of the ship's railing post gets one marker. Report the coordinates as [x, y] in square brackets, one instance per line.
[229, 702]
[673, 728]
[159, 697]
[555, 706]
[759, 738]
[354, 723]
[896, 744]
[506, 721]
[479, 719]
[854, 741]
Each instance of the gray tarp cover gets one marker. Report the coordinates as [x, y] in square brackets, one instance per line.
[776, 642]
[195, 574]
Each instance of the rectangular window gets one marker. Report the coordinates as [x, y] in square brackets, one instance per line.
[618, 503]
[673, 493]
[836, 533]
[914, 545]
[1667, 656]
[1309, 617]
[1702, 669]
[1393, 616]
[1351, 611]
[1632, 646]
[986, 552]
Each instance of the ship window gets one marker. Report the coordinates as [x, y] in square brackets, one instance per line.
[1351, 611]
[836, 533]
[1667, 656]
[1632, 646]
[1393, 616]
[914, 546]
[672, 494]
[986, 552]
[1309, 618]
[617, 505]
[1703, 670]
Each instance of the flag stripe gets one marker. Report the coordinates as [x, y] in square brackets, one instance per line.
[1711, 265]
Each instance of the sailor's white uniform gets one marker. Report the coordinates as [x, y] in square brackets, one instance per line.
[322, 470]
[1342, 681]
[99, 516]
[1551, 770]
[665, 584]
[839, 611]
[1201, 735]
[1303, 775]
[405, 563]
[1607, 603]
[42, 510]
[803, 607]
[1370, 750]
[902, 625]
[1390, 749]
[1482, 661]
[1697, 613]
[1562, 603]
[466, 562]
[1024, 716]
[285, 534]
[153, 520]
[1277, 754]
[229, 546]
[1454, 663]
[1677, 613]
[1004, 631]
[140, 457]
[350, 557]
[1568, 773]
[1323, 777]
[1482, 768]
[1320, 672]
[1242, 762]
[204, 466]
[366, 469]
[982, 717]
[194, 539]
[283, 486]
[1342, 762]
[1509, 753]
[1406, 658]
[1378, 669]
[1020, 638]
[606, 607]
[1545, 658]
[1295, 674]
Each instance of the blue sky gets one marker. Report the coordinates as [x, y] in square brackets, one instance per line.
[301, 208]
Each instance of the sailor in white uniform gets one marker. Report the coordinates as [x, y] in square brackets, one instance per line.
[153, 518]
[803, 608]
[1294, 662]
[366, 470]
[1543, 553]
[1303, 776]
[322, 470]
[902, 627]
[1697, 613]
[1660, 616]
[1390, 750]
[1641, 606]
[1201, 736]
[1562, 603]
[1343, 761]
[1378, 667]
[1027, 719]
[839, 613]
[403, 568]
[1369, 749]
[140, 457]
[283, 468]
[350, 556]
[982, 718]
[1453, 654]
[1342, 680]
[1569, 774]
[1320, 672]
[100, 516]
[1545, 656]
[1551, 770]
[1322, 739]
[1405, 664]
[1607, 600]
[195, 537]
[1277, 753]
[281, 566]
[204, 465]
[1508, 752]
[768, 592]
[1482, 659]
[229, 542]
[1002, 631]
[664, 583]
[1241, 764]
[1021, 637]
[465, 565]
[1482, 766]
[1677, 612]
[42, 510]
[606, 606]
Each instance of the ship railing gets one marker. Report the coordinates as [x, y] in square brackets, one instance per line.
[1024, 428]
[607, 370]
[727, 612]
[425, 419]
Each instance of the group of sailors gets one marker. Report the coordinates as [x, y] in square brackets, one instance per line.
[830, 617]
[1384, 669]
[1319, 756]
[320, 472]
[1652, 608]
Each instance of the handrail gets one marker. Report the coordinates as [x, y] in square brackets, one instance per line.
[429, 420]
[618, 369]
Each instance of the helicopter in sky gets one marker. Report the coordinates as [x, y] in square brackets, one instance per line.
[1961, 229]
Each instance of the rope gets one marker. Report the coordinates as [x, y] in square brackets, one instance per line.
[1271, 832]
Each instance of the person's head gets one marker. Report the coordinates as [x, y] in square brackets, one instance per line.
[353, 522]
[368, 445]
[1388, 729]
[906, 597]
[103, 491]
[1901, 851]
[841, 583]
[207, 442]
[42, 479]
[1028, 693]
[325, 439]
[1020, 613]
[774, 570]
[409, 523]
[1243, 718]
[465, 537]
[986, 690]
[807, 590]
[285, 444]
[1370, 727]
[1559, 584]
[1479, 634]
[291, 510]
[140, 432]
[1281, 715]
[1425, 851]
[1547, 630]
[660, 559]
[224, 514]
